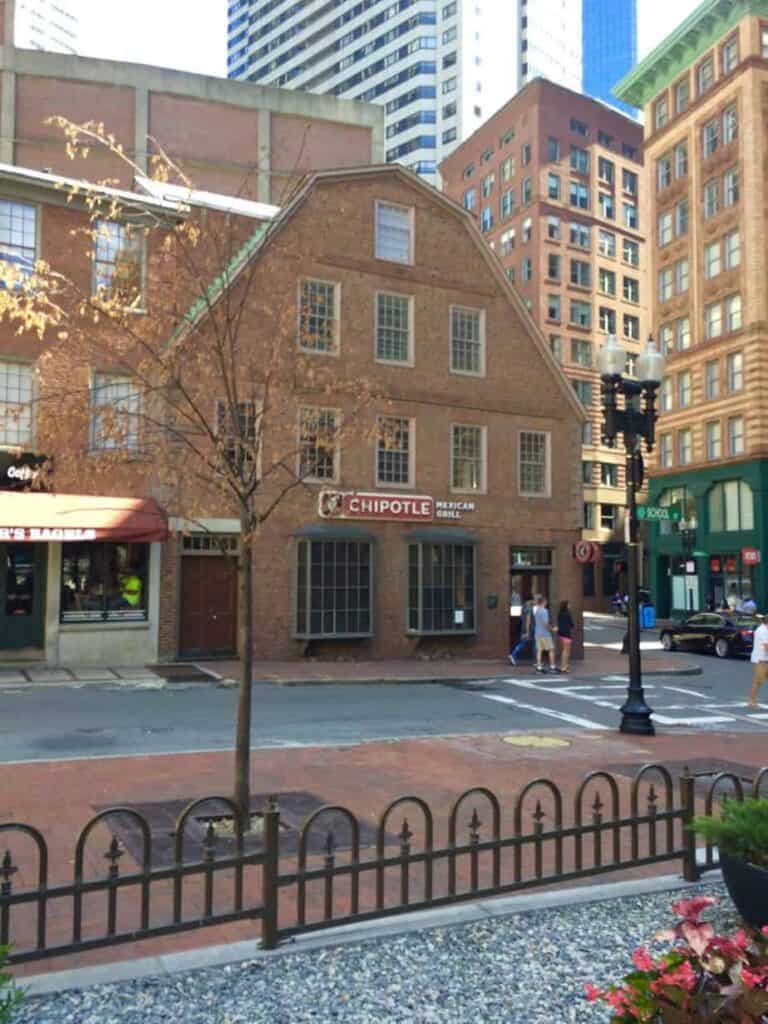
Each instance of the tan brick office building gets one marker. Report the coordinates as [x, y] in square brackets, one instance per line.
[232, 137]
[554, 182]
[704, 94]
[411, 547]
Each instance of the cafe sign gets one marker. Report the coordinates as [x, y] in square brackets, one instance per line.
[45, 533]
[420, 508]
[20, 471]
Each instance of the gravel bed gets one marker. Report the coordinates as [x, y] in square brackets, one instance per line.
[524, 969]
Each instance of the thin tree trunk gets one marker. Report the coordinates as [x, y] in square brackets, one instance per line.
[242, 796]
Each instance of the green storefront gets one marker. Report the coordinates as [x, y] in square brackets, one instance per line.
[715, 553]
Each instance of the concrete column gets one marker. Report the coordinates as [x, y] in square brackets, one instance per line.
[52, 603]
[141, 128]
[8, 117]
[264, 142]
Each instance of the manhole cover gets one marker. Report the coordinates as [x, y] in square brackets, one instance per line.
[537, 741]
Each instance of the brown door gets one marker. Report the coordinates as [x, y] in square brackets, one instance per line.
[208, 606]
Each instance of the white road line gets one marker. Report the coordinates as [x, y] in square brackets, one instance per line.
[614, 679]
[583, 723]
[690, 693]
[712, 720]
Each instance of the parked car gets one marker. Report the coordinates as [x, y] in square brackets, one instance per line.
[720, 633]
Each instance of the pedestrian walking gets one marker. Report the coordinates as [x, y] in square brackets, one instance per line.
[565, 630]
[545, 640]
[526, 631]
[759, 660]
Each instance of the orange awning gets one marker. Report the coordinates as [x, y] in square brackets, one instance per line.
[67, 517]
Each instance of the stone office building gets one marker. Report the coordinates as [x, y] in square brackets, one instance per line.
[459, 495]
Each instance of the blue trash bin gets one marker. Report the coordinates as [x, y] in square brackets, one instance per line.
[647, 617]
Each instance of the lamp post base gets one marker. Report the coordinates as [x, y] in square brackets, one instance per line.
[637, 720]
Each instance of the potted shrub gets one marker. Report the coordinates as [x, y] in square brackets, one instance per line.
[741, 835]
[704, 977]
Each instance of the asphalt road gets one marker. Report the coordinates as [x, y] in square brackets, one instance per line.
[96, 721]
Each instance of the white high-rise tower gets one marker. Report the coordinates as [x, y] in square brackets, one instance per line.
[47, 25]
[439, 68]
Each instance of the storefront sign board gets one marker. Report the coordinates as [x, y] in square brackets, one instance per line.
[371, 505]
[750, 556]
[35, 534]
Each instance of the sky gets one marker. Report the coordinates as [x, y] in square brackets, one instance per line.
[192, 34]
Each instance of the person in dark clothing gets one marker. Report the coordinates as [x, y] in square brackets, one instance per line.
[565, 630]
[527, 631]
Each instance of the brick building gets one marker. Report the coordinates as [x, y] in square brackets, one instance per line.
[231, 137]
[553, 180]
[703, 90]
[422, 543]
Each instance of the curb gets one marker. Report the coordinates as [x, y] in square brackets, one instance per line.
[169, 964]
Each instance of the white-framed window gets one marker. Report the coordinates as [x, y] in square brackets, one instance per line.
[469, 199]
[394, 330]
[553, 185]
[665, 451]
[714, 440]
[629, 182]
[683, 333]
[684, 389]
[732, 250]
[467, 340]
[733, 313]
[666, 284]
[712, 261]
[319, 455]
[526, 232]
[486, 219]
[606, 243]
[581, 273]
[660, 112]
[18, 235]
[712, 379]
[16, 404]
[629, 211]
[553, 228]
[118, 263]
[579, 234]
[394, 232]
[507, 242]
[681, 276]
[606, 281]
[553, 266]
[713, 320]
[730, 124]
[606, 170]
[606, 205]
[631, 289]
[238, 432]
[468, 457]
[581, 313]
[319, 316]
[486, 184]
[507, 203]
[579, 195]
[665, 339]
[681, 217]
[663, 172]
[631, 252]
[526, 269]
[665, 395]
[507, 169]
[710, 137]
[581, 352]
[705, 75]
[684, 446]
[607, 319]
[589, 515]
[394, 451]
[583, 391]
[632, 327]
[711, 198]
[115, 404]
[729, 54]
[681, 159]
[534, 463]
[682, 94]
[665, 228]
[580, 159]
[735, 435]
[731, 187]
[609, 516]
[734, 367]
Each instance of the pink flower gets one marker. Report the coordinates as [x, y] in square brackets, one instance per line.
[617, 999]
[754, 979]
[698, 936]
[764, 930]
[683, 976]
[592, 992]
[642, 959]
[691, 909]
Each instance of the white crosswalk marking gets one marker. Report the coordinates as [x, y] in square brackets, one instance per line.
[583, 723]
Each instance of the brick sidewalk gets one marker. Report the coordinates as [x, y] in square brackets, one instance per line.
[364, 778]
[597, 661]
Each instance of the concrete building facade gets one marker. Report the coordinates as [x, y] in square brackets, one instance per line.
[457, 497]
[439, 69]
[554, 181]
[232, 137]
[704, 91]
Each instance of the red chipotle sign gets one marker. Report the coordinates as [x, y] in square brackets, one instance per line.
[371, 505]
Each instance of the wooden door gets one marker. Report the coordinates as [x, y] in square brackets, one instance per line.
[208, 606]
[22, 596]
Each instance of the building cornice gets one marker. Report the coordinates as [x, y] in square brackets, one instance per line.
[683, 47]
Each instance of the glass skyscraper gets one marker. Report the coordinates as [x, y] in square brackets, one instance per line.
[609, 45]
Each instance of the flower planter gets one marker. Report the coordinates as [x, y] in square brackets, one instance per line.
[748, 888]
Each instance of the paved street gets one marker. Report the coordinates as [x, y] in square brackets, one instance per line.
[73, 722]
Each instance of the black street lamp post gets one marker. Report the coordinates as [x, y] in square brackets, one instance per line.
[634, 418]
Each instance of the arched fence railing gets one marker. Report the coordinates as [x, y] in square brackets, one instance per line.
[338, 869]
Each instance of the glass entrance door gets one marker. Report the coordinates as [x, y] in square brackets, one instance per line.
[22, 595]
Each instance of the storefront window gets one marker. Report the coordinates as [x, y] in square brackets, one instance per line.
[676, 496]
[731, 507]
[334, 591]
[441, 588]
[104, 582]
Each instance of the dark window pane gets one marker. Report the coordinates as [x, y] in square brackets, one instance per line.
[339, 602]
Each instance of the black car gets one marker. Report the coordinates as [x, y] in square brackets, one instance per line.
[720, 633]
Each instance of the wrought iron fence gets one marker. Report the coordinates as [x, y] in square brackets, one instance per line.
[335, 882]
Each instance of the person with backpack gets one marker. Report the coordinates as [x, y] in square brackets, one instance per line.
[526, 632]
